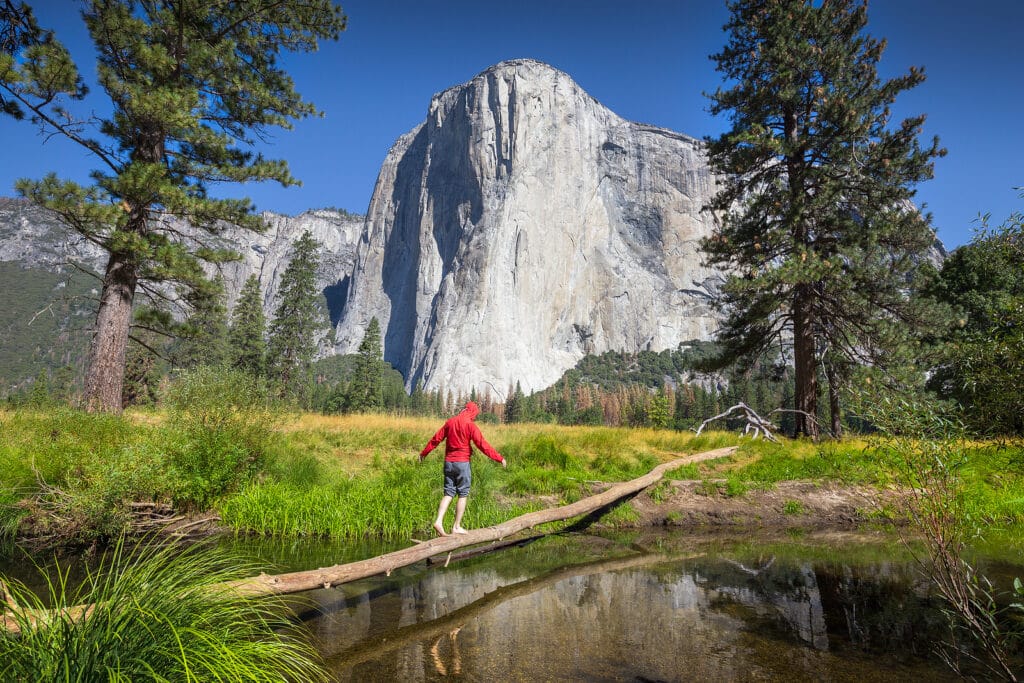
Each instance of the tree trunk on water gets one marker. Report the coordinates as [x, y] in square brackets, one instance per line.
[296, 582]
[104, 379]
[806, 398]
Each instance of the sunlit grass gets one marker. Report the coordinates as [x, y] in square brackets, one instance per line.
[357, 475]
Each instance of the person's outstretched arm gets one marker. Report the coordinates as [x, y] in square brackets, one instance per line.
[432, 444]
[487, 449]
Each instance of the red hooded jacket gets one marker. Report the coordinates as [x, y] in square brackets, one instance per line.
[459, 434]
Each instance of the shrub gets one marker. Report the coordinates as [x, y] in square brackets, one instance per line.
[221, 431]
[793, 507]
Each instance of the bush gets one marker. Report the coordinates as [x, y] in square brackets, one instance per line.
[221, 431]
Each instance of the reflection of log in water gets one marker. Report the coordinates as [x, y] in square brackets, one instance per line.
[380, 644]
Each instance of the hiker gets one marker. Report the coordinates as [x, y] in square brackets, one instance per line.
[459, 433]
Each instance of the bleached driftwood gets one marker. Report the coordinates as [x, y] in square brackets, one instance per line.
[755, 423]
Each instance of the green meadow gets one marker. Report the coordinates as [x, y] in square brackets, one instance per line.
[70, 478]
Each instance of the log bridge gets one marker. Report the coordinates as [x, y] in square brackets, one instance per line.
[326, 577]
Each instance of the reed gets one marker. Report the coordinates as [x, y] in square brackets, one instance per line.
[158, 616]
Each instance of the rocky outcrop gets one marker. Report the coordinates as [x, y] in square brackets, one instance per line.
[523, 225]
[35, 238]
[267, 255]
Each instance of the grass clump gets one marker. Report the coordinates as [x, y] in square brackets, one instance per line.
[621, 516]
[75, 474]
[392, 499]
[793, 507]
[159, 614]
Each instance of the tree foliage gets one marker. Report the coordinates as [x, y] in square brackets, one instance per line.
[982, 360]
[815, 220]
[203, 338]
[365, 392]
[192, 86]
[247, 334]
[292, 342]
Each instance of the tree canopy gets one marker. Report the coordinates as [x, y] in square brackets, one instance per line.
[247, 334]
[982, 359]
[365, 392]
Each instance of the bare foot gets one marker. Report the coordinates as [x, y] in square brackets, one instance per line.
[459, 530]
[439, 529]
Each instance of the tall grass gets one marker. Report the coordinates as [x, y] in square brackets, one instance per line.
[355, 475]
[159, 615]
[392, 499]
[217, 447]
[51, 444]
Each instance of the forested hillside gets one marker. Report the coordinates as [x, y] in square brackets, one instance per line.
[43, 324]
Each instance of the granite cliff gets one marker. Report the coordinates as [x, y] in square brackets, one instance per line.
[34, 238]
[522, 226]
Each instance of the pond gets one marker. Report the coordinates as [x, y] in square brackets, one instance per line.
[645, 606]
[650, 605]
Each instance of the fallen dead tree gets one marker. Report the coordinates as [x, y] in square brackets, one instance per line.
[326, 577]
[755, 423]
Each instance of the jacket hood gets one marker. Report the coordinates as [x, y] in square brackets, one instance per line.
[471, 410]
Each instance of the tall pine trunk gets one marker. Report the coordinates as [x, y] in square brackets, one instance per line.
[104, 380]
[806, 393]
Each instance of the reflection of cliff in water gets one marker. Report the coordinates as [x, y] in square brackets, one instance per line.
[637, 618]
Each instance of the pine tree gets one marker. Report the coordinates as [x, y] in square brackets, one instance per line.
[204, 335]
[140, 377]
[514, 405]
[418, 401]
[64, 384]
[365, 392]
[658, 410]
[247, 336]
[292, 337]
[815, 219]
[191, 85]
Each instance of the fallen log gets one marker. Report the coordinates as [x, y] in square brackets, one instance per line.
[296, 582]
[326, 577]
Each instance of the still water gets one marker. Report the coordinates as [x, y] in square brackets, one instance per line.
[650, 606]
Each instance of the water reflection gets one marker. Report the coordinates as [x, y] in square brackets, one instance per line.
[635, 614]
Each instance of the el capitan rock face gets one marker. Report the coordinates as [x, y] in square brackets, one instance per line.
[523, 225]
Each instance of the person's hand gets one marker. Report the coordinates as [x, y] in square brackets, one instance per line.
[421, 459]
[504, 464]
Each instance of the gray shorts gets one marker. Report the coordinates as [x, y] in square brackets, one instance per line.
[457, 478]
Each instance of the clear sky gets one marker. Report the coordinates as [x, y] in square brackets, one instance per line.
[646, 60]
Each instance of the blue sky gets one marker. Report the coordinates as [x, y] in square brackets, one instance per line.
[646, 60]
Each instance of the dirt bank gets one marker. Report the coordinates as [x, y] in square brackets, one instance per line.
[792, 504]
